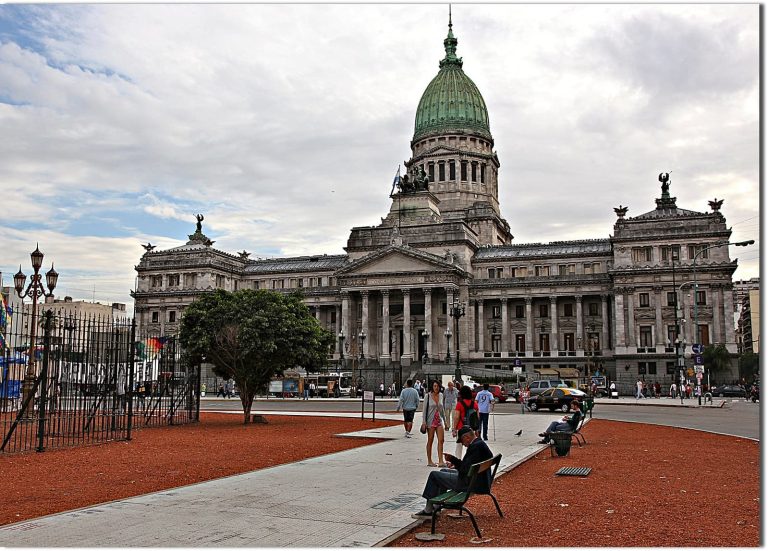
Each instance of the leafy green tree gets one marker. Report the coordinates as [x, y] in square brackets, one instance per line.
[251, 335]
[717, 359]
[749, 365]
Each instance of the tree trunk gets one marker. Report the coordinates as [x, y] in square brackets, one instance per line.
[246, 398]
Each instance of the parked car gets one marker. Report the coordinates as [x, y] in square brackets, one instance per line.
[537, 387]
[734, 391]
[499, 394]
[555, 398]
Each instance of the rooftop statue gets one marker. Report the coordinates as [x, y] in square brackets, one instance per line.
[715, 204]
[199, 227]
[148, 247]
[620, 211]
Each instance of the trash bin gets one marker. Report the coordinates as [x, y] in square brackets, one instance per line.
[615, 394]
[562, 442]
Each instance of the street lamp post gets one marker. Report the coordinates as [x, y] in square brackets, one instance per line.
[696, 332]
[341, 347]
[457, 311]
[425, 335]
[35, 290]
[448, 336]
[362, 344]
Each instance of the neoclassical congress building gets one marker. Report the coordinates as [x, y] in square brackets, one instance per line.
[558, 307]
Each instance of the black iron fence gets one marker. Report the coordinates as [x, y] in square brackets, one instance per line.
[76, 379]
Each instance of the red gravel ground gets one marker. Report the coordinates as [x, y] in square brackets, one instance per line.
[650, 486]
[37, 484]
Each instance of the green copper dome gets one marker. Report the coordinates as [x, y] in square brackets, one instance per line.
[451, 102]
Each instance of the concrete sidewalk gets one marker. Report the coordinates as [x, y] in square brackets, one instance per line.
[355, 498]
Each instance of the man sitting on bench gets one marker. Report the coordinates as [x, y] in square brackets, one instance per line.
[567, 424]
[456, 477]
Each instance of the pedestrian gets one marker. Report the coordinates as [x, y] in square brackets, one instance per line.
[312, 389]
[433, 421]
[639, 393]
[381, 389]
[673, 390]
[485, 401]
[306, 392]
[613, 390]
[460, 414]
[657, 389]
[221, 391]
[456, 477]
[450, 397]
[393, 390]
[409, 403]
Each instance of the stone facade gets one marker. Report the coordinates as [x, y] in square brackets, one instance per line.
[565, 307]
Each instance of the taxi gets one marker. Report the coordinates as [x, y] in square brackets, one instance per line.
[556, 398]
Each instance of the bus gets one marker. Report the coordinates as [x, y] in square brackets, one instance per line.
[333, 383]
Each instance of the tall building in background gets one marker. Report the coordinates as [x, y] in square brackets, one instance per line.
[747, 297]
[564, 308]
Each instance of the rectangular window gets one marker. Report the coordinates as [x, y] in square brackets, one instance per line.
[495, 343]
[566, 269]
[156, 281]
[693, 250]
[474, 172]
[671, 298]
[519, 271]
[443, 308]
[671, 335]
[496, 312]
[174, 280]
[670, 253]
[543, 310]
[568, 340]
[491, 273]
[670, 368]
[642, 254]
[587, 267]
[482, 173]
[520, 342]
[641, 368]
[645, 299]
[463, 171]
[592, 308]
[544, 342]
[452, 171]
[596, 268]
[171, 316]
[542, 271]
[190, 281]
[646, 335]
[519, 311]
[256, 284]
[220, 281]
[568, 310]
[701, 298]
[704, 335]
[651, 368]
[235, 283]
[441, 171]
[333, 316]
[431, 172]
[155, 317]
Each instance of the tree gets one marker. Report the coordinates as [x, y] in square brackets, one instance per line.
[749, 365]
[251, 335]
[717, 359]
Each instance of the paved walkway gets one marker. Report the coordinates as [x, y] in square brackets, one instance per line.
[355, 498]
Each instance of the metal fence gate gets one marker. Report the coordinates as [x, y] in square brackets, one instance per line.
[72, 380]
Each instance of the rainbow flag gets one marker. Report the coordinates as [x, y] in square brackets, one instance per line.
[2, 342]
[5, 311]
[150, 348]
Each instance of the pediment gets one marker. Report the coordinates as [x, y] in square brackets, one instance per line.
[441, 149]
[397, 260]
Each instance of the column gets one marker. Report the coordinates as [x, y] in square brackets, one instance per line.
[661, 338]
[317, 313]
[632, 339]
[730, 332]
[604, 314]
[554, 343]
[480, 326]
[717, 335]
[620, 335]
[504, 325]
[345, 320]
[407, 352]
[471, 334]
[384, 347]
[364, 324]
[580, 337]
[428, 320]
[337, 327]
[528, 326]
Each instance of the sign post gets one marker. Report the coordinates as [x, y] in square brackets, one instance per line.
[368, 396]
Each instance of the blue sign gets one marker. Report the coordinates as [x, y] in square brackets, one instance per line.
[698, 360]
[697, 348]
[518, 363]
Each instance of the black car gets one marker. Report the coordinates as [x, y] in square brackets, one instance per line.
[733, 391]
[555, 398]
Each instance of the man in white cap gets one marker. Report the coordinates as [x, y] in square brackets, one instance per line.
[456, 477]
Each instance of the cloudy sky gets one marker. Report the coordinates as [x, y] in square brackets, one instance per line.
[285, 124]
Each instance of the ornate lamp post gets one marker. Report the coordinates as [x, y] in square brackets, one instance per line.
[457, 311]
[696, 332]
[341, 347]
[425, 335]
[362, 336]
[448, 336]
[35, 290]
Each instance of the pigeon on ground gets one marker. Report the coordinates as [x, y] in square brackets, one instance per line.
[518, 433]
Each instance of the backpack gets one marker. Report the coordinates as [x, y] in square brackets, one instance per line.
[471, 418]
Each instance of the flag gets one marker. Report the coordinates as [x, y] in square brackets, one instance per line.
[5, 311]
[2, 342]
[396, 181]
[151, 348]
